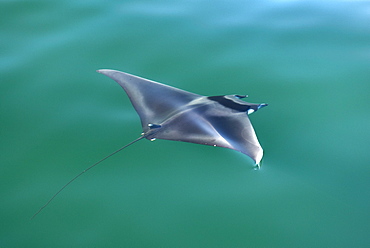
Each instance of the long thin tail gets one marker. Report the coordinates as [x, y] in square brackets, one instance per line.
[110, 155]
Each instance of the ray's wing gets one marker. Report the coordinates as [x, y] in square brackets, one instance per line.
[153, 101]
[210, 123]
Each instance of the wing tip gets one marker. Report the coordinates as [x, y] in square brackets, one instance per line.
[258, 158]
[104, 71]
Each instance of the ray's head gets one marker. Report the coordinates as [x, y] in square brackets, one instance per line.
[234, 102]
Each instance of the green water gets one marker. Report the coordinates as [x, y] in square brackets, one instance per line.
[310, 60]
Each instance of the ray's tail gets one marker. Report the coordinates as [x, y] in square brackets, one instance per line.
[65, 185]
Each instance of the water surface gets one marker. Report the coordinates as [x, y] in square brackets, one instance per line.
[309, 60]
